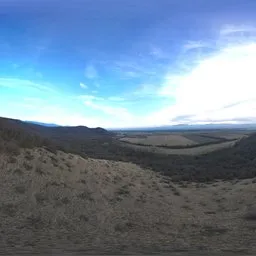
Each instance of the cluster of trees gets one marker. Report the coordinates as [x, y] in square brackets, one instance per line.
[12, 138]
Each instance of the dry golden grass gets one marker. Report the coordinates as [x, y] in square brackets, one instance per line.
[161, 140]
[64, 202]
[183, 151]
[229, 135]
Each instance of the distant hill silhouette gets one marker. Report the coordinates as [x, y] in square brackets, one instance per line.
[187, 127]
[30, 135]
[42, 124]
[50, 129]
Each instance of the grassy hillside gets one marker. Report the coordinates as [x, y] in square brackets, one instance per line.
[62, 202]
[91, 202]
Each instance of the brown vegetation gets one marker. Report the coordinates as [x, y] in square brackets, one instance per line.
[107, 206]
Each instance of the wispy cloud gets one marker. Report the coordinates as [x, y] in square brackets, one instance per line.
[232, 29]
[119, 113]
[157, 52]
[145, 90]
[89, 97]
[113, 98]
[39, 74]
[193, 45]
[29, 103]
[91, 72]
[34, 100]
[130, 74]
[15, 65]
[131, 68]
[58, 115]
[22, 84]
[83, 86]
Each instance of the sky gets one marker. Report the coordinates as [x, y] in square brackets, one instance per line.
[128, 63]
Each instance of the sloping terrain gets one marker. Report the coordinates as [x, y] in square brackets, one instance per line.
[16, 134]
[55, 202]
[237, 161]
[30, 135]
[51, 131]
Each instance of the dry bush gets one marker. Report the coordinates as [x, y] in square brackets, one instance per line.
[124, 190]
[186, 207]
[21, 189]
[12, 148]
[251, 214]
[12, 160]
[68, 165]
[8, 209]
[34, 221]
[83, 181]
[83, 217]
[39, 171]
[29, 156]
[53, 183]
[27, 166]
[40, 197]
[54, 161]
[18, 171]
[123, 227]
[86, 195]
[213, 231]
[65, 200]
[176, 193]
[2, 147]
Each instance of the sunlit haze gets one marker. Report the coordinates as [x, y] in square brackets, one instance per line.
[136, 63]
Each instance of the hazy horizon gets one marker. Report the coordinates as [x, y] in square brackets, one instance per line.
[176, 127]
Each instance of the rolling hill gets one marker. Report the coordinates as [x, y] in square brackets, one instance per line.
[227, 163]
[62, 203]
[42, 124]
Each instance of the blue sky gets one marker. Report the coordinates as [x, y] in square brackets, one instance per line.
[120, 63]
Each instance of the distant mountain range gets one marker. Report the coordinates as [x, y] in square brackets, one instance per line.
[179, 127]
[185, 127]
[51, 130]
[42, 124]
